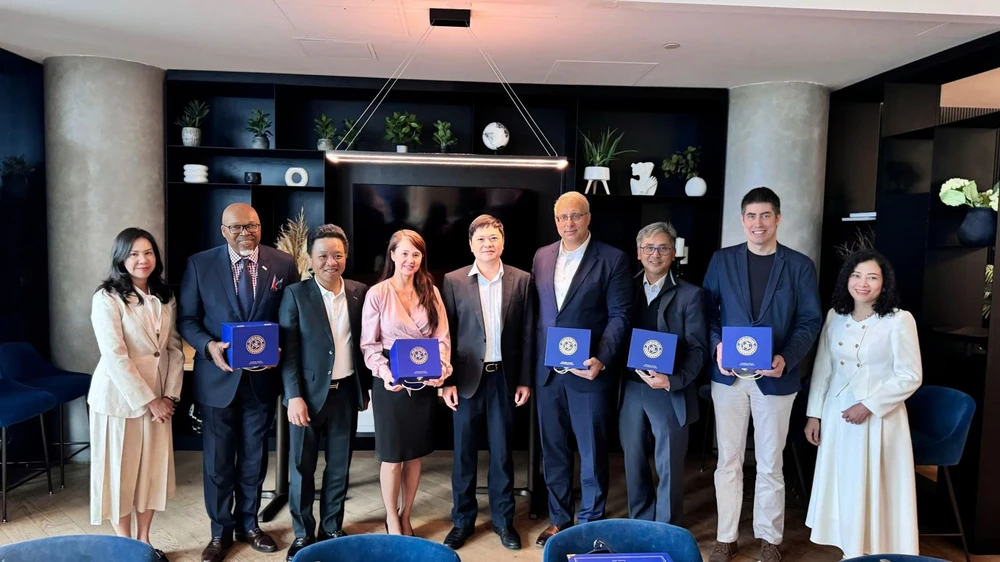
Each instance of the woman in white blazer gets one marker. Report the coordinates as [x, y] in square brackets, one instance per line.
[867, 364]
[134, 389]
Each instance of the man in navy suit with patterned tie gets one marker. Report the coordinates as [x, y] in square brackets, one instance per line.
[239, 281]
[583, 284]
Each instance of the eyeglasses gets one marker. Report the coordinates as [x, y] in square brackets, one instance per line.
[575, 217]
[662, 250]
[237, 228]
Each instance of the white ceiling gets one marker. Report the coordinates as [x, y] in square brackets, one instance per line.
[612, 42]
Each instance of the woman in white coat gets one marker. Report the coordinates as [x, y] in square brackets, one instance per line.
[868, 363]
[134, 389]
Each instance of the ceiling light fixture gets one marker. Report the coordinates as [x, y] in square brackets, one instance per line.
[449, 18]
[669, 46]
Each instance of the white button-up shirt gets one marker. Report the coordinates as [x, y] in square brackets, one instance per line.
[340, 327]
[567, 262]
[491, 297]
[652, 290]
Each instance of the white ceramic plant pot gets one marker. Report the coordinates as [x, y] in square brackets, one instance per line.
[191, 136]
[261, 142]
[324, 144]
[597, 173]
[402, 148]
[695, 187]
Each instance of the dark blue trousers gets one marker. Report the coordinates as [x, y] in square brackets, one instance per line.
[235, 459]
[564, 413]
[489, 411]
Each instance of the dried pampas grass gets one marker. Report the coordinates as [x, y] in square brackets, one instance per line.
[292, 240]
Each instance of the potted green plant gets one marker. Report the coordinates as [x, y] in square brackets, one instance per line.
[190, 122]
[325, 130]
[979, 228]
[685, 164]
[259, 124]
[402, 129]
[349, 138]
[14, 172]
[599, 154]
[443, 136]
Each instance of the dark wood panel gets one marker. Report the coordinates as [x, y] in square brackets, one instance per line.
[909, 107]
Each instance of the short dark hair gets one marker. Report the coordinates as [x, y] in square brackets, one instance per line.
[888, 299]
[485, 221]
[326, 231]
[761, 195]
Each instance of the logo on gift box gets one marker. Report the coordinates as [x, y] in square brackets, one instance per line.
[256, 345]
[652, 349]
[746, 346]
[567, 346]
[418, 355]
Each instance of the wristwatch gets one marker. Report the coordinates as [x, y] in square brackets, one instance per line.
[174, 398]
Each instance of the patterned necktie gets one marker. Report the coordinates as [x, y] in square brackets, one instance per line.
[244, 291]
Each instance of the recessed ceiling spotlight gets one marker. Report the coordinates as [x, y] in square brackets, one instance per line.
[669, 46]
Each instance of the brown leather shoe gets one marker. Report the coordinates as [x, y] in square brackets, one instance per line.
[258, 540]
[216, 550]
[547, 534]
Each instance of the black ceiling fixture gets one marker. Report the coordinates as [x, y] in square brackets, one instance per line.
[442, 17]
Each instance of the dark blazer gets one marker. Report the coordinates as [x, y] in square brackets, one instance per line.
[208, 299]
[460, 293]
[599, 299]
[307, 349]
[681, 311]
[791, 308]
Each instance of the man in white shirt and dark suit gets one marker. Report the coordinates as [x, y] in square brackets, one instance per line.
[491, 314]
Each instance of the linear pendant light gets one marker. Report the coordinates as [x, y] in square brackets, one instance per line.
[449, 18]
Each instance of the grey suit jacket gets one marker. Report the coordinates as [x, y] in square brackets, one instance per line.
[307, 349]
[468, 335]
[682, 312]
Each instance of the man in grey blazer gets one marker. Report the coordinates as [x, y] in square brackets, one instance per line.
[491, 315]
[326, 383]
[656, 407]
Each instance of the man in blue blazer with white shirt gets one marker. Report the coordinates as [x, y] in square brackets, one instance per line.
[581, 283]
[758, 283]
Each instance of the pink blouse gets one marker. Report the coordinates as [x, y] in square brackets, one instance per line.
[384, 320]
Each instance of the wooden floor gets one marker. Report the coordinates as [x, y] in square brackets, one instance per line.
[183, 530]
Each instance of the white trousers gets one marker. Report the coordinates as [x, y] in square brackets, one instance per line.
[733, 407]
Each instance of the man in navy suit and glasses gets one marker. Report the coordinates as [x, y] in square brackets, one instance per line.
[239, 281]
[583, 284]
[758, 283]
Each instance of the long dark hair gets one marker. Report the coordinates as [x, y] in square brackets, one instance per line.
[119, 280]
[888, 299]
[423, 281]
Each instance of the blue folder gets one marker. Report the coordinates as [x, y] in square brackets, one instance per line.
[746, 349]
[251, 344]
[567, 348]
[652, 351]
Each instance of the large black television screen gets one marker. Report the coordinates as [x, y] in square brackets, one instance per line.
[441, 215]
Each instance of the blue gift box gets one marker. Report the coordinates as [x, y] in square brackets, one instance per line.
[567, 348]
[652, 351]
[415, 360]
[251, 344]
[621, 557]
[746, 349]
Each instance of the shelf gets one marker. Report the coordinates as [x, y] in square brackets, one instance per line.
[239, 151]
[650, 197]
[317, 188]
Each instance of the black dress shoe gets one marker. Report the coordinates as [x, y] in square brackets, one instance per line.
[334, 535]
[508, 537]
[548, 533]
[298, 544]
[216, 549]
[258, 540]
[457, 537]
[160, 556]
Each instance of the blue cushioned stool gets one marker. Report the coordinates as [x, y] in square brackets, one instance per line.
[940, 419]
[20, 403]
[79, 548]
[894, 558]
[377, 548]
[623, 536]
[19, 361]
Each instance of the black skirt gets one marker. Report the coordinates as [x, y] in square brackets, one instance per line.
[403, 422]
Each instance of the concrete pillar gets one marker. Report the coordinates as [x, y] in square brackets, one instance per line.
[777, 138]
[104, 170]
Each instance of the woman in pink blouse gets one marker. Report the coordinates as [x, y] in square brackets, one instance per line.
[404, 304]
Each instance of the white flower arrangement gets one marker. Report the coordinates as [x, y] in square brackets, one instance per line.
[958, 191]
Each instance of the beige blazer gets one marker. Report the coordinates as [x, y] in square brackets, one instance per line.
[135, 366]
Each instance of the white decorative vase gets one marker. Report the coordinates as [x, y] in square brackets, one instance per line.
[597, 173]
[191, 136]
[303, 177]
[695, 187]
[402, 148]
